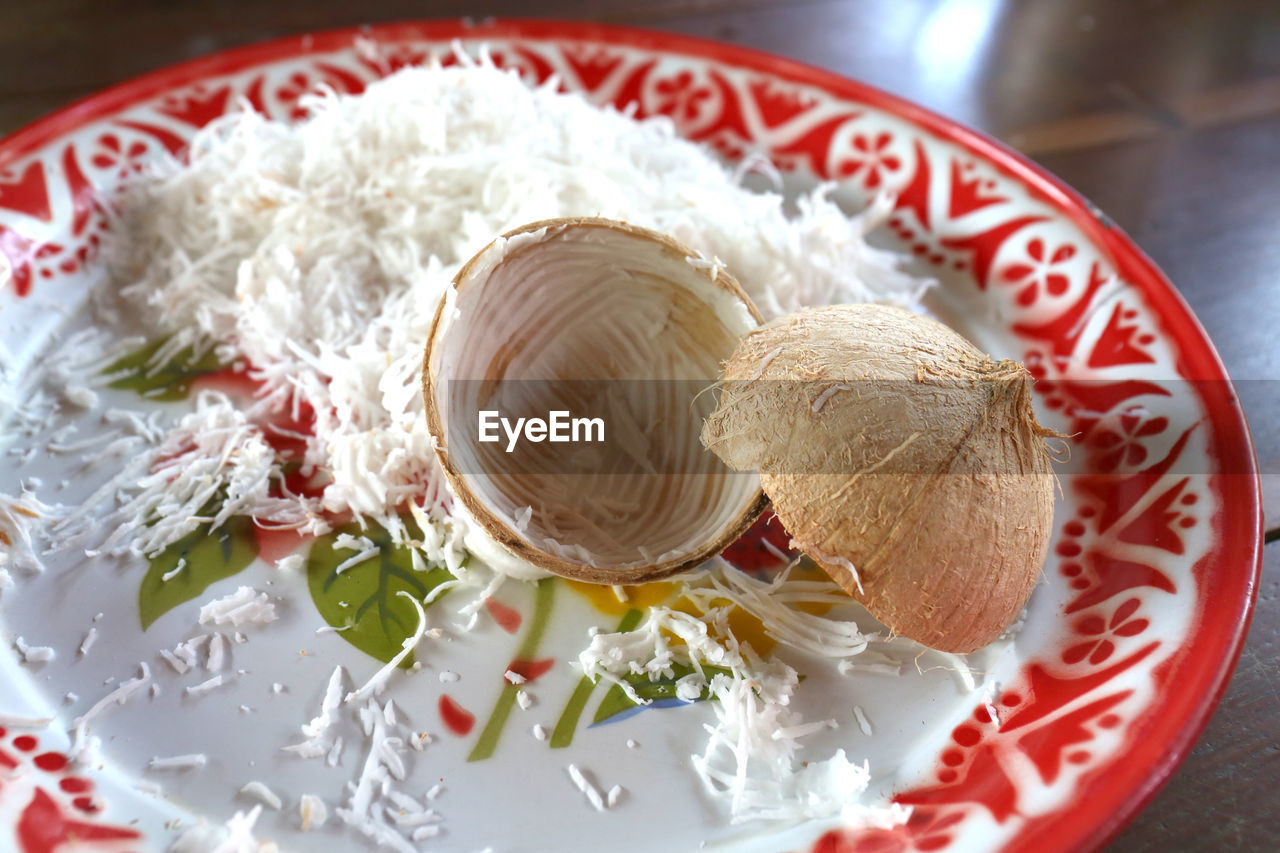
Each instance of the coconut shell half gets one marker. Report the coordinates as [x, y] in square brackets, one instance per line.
[905, 461]
[604, 320]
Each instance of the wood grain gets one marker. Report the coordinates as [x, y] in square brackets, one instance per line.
[1165, 113]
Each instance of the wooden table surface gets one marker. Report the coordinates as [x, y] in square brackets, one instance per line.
[1166, 113]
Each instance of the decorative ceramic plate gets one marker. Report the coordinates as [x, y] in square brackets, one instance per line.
[1126, 645]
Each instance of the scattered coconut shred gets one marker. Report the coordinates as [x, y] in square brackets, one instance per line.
[245, 606]
[752, 757]
[315, 254]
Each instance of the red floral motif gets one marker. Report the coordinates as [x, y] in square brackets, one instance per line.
[529, 64]
[979, 778]
[728, 133]
[977, 250]
[44, 828]
[812, 148]
[629, 94]
[871, 160]
[915, 195]
[1154, 525]
[969, 194]
[779, 104]
[1089, 401]
[110, 153]
[1121, 341]
[1121, 445]
[386, 59]
[26, 191]
[173, 143]
[983, 246]
[23, 258]
[45, 824]
[926, 829]
[84, 198]
[1109, 576]
[1061, 334]
[1116, 496]
[1028, 719]
[290, 93]
[1048, 746]
[1100, 646]
[592, 65]
[1043, 269]
[680, 98]
[198, 105]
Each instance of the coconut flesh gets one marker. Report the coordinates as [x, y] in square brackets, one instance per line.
[593, 317]
[905, 461]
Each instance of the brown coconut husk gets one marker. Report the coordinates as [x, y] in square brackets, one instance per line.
[905, 461]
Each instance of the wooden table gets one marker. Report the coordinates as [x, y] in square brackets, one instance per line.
[1165, 113]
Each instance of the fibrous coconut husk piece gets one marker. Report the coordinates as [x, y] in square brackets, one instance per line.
[905, 461]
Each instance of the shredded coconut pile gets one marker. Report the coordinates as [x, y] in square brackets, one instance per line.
[317, 253]
[214, 464]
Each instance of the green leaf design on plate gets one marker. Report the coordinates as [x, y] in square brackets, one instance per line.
[487, 743]
[616, 701]
[568, 722]
[210, 555]
[361, 601]
[169, 381]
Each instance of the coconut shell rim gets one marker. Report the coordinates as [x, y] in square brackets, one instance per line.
[501, 532]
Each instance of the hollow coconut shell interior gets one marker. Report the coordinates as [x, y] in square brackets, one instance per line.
[550, 317]
[905, 461]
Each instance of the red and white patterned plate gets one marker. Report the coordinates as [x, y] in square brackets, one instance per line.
[1130, 642]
